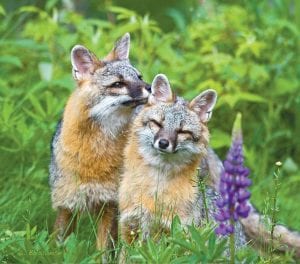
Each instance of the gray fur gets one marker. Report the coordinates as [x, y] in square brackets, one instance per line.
[211, 168]
[107, 107]
[173, 117]
[116, 69]
[85, 197]
[54, 172]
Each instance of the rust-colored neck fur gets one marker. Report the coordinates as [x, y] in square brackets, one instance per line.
[86, 152]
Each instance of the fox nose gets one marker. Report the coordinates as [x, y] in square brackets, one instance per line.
[163, 143]
[148, 88]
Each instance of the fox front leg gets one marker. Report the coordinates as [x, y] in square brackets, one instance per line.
[65, 223]
[107, 233]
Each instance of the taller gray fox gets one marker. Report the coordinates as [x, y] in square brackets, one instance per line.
[88, 143]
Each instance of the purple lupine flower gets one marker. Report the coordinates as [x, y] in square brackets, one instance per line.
[233, 185]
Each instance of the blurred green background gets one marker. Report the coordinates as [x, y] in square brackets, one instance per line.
[247, 50]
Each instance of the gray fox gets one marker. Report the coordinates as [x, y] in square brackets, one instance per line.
[167, 141]
[255, 230]
[88, 143]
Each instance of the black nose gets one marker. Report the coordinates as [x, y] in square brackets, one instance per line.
[163, 143]
[148, 88]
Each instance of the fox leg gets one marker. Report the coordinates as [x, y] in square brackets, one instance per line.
[129, 233]
[107, 233]
[65, 223]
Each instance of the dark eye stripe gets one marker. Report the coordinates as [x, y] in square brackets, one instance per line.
[155, 122]
[188, 133]
[117, 84]
[185, 132]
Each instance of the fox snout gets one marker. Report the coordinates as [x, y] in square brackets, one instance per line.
[165, 143]
[139, 93]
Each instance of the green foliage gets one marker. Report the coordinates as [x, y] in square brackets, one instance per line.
[32, 247]
[191, 245]
[247, 50]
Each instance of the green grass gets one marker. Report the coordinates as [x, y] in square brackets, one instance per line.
[248, 52]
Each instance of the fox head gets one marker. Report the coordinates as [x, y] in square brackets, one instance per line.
[111, 87]
[171, 132]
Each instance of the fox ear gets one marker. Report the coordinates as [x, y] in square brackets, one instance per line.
[83, 61]
[120, 50]
[161, 90]
[204, 103]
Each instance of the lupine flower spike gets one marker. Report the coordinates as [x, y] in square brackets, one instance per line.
[233, 185]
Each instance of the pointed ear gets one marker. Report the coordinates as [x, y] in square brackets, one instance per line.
[120, 50]
[203, 104]
[83, 62]
[161, 90]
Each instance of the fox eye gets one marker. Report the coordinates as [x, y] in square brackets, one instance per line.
[154, 125]
[188, 135]
[117, 84]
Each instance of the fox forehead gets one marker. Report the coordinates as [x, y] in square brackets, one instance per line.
[175, 116]
[119, 70]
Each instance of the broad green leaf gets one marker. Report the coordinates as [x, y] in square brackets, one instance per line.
[220, 248]
[286, 86]
[34, 9]
[2, 10]
[37, 106]
[290, 166]
[211, 245]
[9, 59]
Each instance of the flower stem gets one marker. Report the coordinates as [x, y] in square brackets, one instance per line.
[202, 189]
[274, 207]
[232, 248]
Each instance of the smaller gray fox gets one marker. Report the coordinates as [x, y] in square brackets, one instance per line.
[167, 141]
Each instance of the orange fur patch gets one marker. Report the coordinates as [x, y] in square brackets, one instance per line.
[85, 151]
